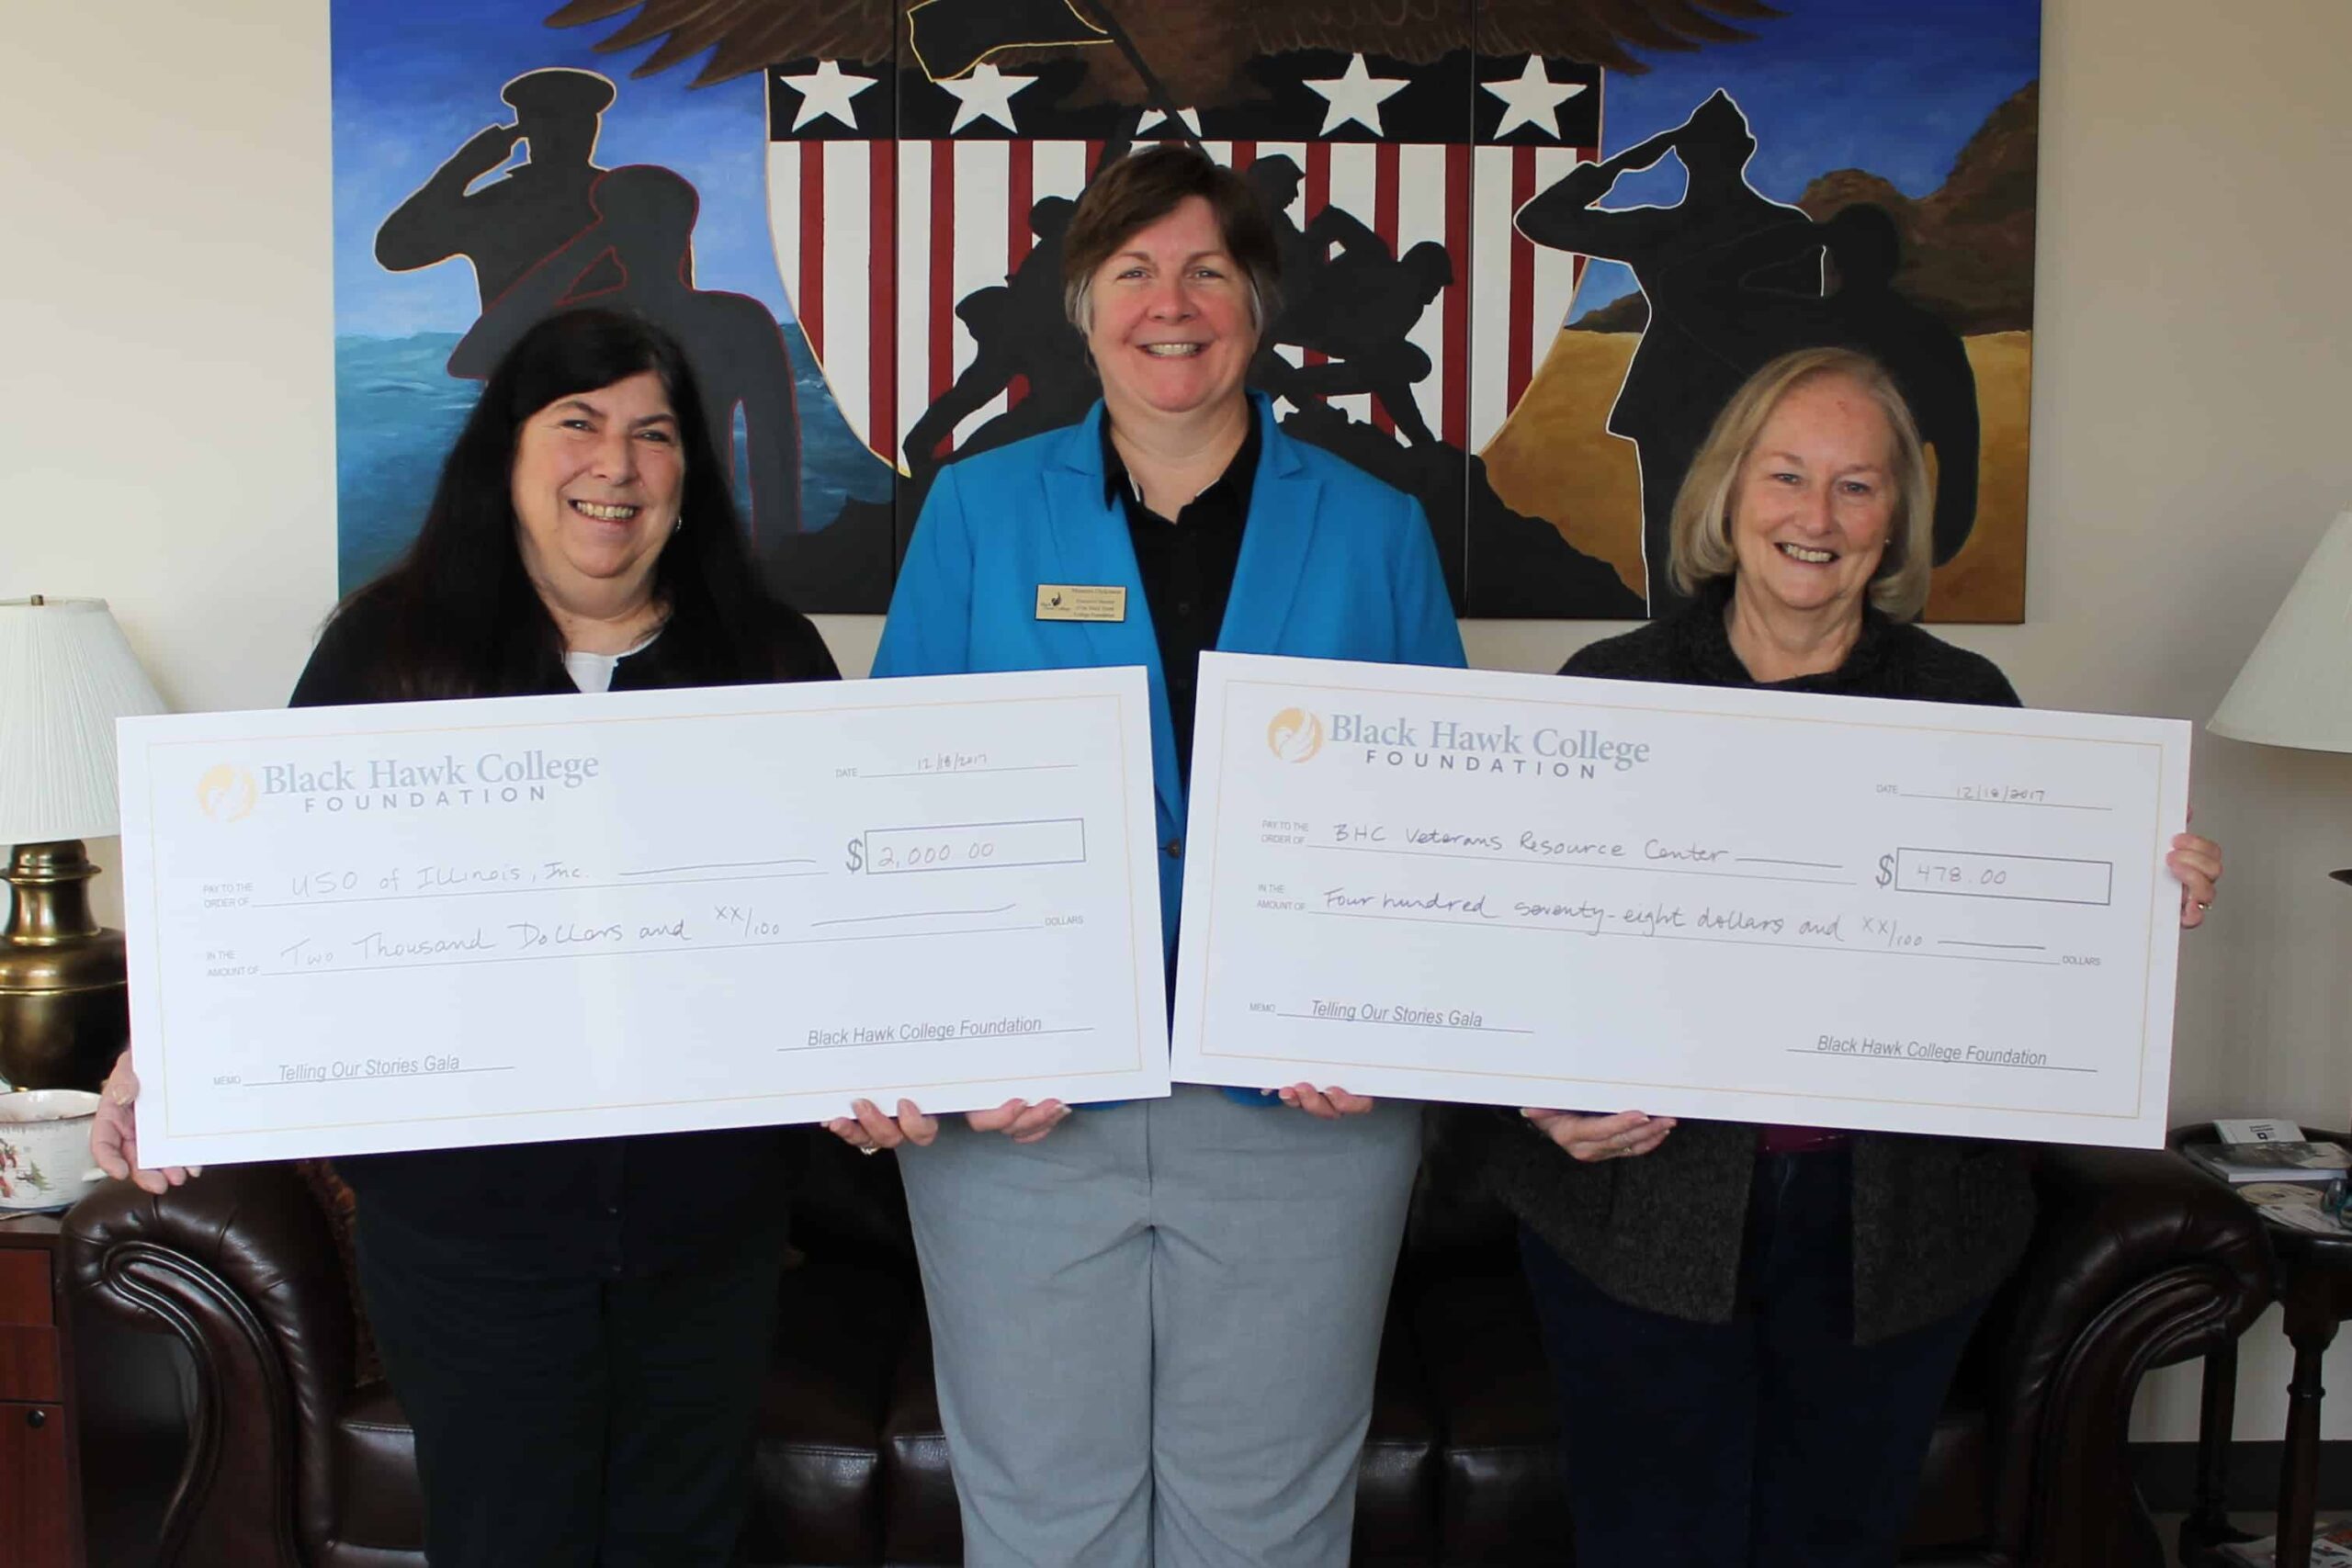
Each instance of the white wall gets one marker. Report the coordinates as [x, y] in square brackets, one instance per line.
[166, 428]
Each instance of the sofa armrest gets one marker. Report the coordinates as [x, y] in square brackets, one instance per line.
[2137, 1261]
[240, 1265]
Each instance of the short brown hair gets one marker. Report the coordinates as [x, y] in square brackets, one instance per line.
[1132, 194]
[1698, 546]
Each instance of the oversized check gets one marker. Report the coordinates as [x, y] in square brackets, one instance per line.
[399, 927]
[1764, 907]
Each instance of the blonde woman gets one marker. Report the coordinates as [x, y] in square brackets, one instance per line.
[1752, 1329]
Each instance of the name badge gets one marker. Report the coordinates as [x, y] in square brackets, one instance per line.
[1080, 602]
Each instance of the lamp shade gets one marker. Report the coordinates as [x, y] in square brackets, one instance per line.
[2296, 687]
[66, 675]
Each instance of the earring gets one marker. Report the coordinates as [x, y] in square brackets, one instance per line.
[678, 522]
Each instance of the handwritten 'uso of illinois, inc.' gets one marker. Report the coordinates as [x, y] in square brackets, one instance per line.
[417, 926]
[1525, 890]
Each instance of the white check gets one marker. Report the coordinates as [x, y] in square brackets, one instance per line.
[420, 926]
[1596, 895]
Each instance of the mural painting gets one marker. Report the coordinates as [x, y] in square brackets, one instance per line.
[1528, 249]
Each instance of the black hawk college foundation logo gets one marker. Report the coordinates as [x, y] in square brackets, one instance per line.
[1294, 736]
[226, 793]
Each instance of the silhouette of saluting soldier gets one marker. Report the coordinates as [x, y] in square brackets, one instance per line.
[1676, 381]
[511, 221]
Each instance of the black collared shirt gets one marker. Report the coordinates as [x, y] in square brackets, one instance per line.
[1187, 564]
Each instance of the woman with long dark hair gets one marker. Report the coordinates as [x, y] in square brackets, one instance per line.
[576, 1330]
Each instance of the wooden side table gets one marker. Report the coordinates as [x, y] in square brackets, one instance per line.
[2313, 1275]
[41, 1465]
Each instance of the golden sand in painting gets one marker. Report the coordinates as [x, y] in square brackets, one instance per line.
[1555, 458]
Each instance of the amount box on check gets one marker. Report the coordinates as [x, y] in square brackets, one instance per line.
[974, 846]
[1970, 874]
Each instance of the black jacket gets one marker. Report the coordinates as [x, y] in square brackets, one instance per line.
[1938, 1222]
[594, 1207]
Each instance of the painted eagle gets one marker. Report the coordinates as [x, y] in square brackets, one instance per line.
[1196, 47]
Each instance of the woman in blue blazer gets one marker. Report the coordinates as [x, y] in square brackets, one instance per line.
[1155, 1323]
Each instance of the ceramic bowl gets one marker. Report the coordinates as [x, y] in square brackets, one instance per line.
[45, 1147]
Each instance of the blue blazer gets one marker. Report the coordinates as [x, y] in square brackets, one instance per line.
[1334, 565]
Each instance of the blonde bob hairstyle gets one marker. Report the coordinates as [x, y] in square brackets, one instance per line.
[1699, 542]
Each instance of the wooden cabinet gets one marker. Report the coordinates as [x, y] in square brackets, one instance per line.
[40, 1490]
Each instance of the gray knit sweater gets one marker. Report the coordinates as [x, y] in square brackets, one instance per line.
[1938, 1222]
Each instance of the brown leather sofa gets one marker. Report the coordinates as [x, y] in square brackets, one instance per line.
[298, 1456]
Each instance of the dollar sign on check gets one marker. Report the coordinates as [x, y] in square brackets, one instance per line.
[857, 854]
[1885, 871]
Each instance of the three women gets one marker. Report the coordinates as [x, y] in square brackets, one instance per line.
[1155, 1324]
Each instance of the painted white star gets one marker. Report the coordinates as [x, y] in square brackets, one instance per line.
[1356, 95]
[986, 92]
[827, 91]
[1533, 98]
[1153, 116]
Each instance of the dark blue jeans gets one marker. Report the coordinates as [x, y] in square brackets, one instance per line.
[1770, 1440]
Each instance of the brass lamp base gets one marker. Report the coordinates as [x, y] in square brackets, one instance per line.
[64, 1008]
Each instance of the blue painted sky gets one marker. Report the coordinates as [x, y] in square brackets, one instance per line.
[1893, 86]
[414, 79]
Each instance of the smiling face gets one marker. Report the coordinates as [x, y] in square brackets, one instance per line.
[1172, 331]
[1814, 500]
[597, 483]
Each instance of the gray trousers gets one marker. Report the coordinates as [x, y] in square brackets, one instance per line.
[1155, 1331]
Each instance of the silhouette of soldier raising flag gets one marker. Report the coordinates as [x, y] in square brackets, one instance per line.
[1018, 330]
[1365, 303]
[1355, 308]
[511, 223]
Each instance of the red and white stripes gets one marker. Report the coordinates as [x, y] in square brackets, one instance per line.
[878, 240]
